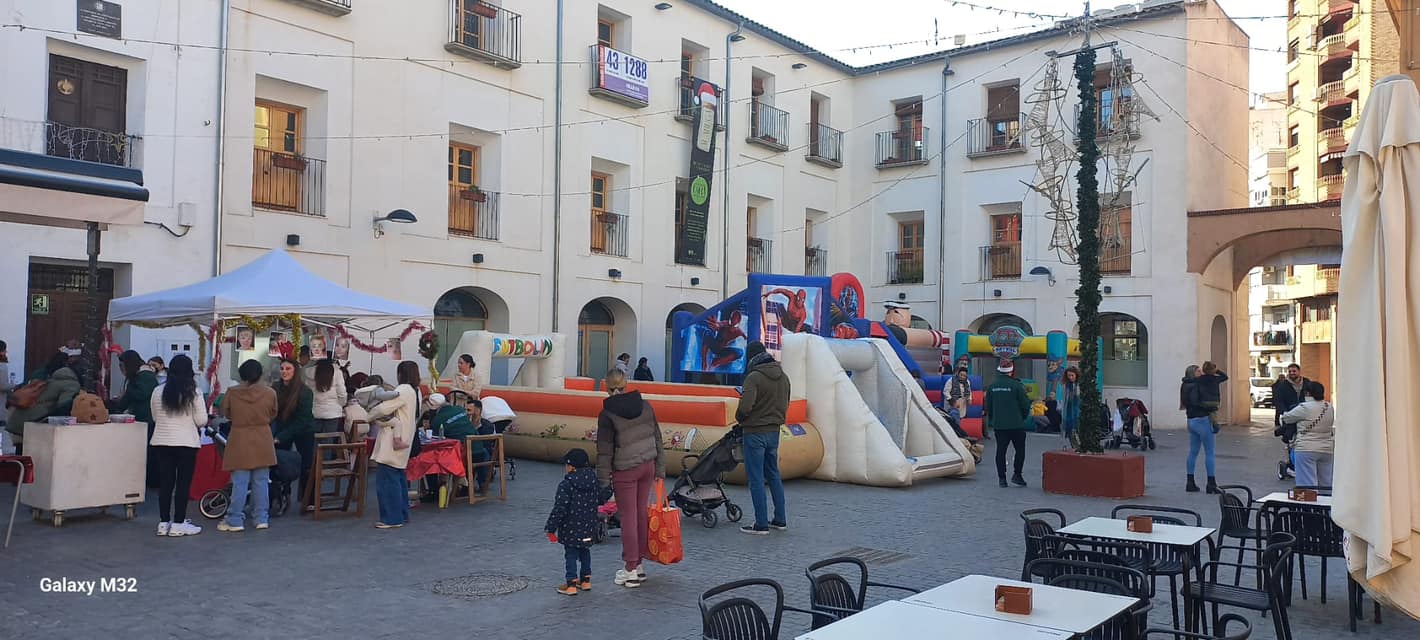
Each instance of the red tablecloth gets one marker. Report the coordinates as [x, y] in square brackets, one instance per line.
[439, 456]
[9, 475]
[208, 473]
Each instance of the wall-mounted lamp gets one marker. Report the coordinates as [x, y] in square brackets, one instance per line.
[613, 273]
[799, 65]
[1108, 289]
[901, 295]
[662, 6]
[695, 282]
[478, 258]
[399, 216]
[996, 293]
[293, 240]
[1044, 271]
[737, 37]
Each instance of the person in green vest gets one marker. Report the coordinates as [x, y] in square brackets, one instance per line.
[139, 381]
[1007, 407]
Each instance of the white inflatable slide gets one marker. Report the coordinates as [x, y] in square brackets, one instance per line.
[878, 427]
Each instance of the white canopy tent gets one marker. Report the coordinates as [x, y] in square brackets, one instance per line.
[274, 284]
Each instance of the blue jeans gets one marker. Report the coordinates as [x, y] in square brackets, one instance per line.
[575, 555]
[258, 480]
[480, 475]
[1200, 434]
[1313, 469]
[762, 465]
[392, 491]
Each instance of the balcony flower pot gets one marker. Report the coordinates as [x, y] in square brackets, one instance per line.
[1113, 474]
[294, 163]
[474, 195]
[607, 218]
[485, 10]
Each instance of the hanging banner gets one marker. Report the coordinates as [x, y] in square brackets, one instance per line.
[705, 103]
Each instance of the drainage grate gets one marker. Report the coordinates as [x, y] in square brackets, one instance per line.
[872, 556]
[480, 585]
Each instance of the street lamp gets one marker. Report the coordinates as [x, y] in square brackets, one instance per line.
[398, 216]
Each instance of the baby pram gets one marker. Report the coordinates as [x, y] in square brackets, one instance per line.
[1287, 468]
[700, 488]
[1135, 428]
[214, 503]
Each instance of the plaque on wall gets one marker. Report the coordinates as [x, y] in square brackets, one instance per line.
[101, 18]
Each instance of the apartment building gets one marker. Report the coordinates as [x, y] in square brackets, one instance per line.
[1272, 322]
[90, 104]
[1336, 51]
[528, 209]
[1267, 150]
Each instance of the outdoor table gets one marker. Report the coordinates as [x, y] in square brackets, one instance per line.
[1183, 537]
[21, 471]
[898, 619]
[442, 457]
[1069, 611]
[1279, 499]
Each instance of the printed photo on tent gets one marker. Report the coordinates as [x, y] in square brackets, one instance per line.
[396, 349]
[786, 310]
[317, 342]
[342, 348]
[280, 346]
[246, 338]
[717, 345]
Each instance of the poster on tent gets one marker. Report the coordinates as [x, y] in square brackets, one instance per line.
[786, 309]
[396, 349]
[716, 344]
[247, 345]
[316, 339]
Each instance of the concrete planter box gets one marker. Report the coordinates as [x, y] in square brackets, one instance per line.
[1113, 474]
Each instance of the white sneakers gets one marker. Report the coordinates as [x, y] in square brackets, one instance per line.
[164, 527]
[641, 573]
[184, 528]
[629, 579]
[223, 526]
[262, 525]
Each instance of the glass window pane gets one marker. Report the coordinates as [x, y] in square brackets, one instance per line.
[451, 155]
[465, 157]
[291, 121]
[263, 116]
[465, 175]
[289, 143]
[262, 139]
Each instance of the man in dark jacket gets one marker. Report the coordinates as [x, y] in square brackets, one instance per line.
[1007, 408]
[1287, 392]
[763, 406]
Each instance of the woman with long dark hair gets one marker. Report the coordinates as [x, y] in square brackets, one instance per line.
[394, 421]
[179, 412]
[295, 424]
[465, 380]
[1070, 405]
[328, 405]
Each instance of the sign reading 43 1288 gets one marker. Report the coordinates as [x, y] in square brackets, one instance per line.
[623, 74]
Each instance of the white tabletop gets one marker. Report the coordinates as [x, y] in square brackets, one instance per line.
[1056, 608]
[896, 619]
[1281, 496]
[1118, 529]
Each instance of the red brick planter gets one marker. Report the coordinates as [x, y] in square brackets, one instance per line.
[1113, 474]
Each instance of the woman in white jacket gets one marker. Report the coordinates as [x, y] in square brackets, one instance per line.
[328, 403]
[394, 422]
[179, 411]
[1316, 432]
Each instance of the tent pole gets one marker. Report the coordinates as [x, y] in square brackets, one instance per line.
[92, 332]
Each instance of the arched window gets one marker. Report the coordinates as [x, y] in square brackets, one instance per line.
[1125, 352]
[596, 313]
[987, 324]
[918, 322]
[457, 311]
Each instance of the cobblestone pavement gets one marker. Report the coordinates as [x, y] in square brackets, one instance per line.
[342, 577]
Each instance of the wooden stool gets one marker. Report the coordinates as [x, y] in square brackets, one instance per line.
[337, 469]
[470, 467]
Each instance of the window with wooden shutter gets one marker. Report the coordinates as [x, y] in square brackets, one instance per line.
[1003, 103]
[87, 111]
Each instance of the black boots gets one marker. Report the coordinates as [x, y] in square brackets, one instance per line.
[1018, 480]
[1213, 485]
[1003, 481]
[1192, 486]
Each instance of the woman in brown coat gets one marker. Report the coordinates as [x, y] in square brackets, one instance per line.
[251, 452]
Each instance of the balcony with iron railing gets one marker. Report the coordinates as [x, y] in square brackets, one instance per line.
[904, 266]
[759, 255]
[89, 144]
[901, 147]
[485, 32]
[1331, 186]
[332, 7]
[1272, 339]
[825, 145]
[610, 233]
[685, 103]
[1331, 92]
[768, 126]
[815, 261]
[989, 137]
[1001, 261]
[473, 212]
[288, 182]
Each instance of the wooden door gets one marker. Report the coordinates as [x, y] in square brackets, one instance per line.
[58, 314]
[88, 106]
[463, 179]
[277, 140]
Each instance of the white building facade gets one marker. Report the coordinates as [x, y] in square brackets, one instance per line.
[338, 112]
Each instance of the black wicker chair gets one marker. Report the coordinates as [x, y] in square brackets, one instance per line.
[832, 596]
[1222, 630]
[1037, 529]
[1270, 597]
[1239, 519]
[738, 617]
[1101, 577]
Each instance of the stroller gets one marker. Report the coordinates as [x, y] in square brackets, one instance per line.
[700, 488]
[1136, 430]
[214, 503]
[1287, 468]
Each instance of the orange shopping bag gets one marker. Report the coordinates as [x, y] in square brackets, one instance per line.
[665, 544]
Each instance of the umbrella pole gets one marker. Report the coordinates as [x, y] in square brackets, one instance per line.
[92, 332]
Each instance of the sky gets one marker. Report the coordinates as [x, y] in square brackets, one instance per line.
[837, 27]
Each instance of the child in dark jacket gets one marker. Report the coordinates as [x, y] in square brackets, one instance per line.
[1210, 392]
[573, 521]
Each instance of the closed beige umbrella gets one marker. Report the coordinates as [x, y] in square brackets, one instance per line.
[1377, 475]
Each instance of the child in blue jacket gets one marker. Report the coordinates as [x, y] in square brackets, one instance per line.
[573, 520]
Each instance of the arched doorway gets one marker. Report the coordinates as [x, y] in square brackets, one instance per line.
[606, 327]
[690, 307]
[988, 323]
[457, 311]
[1218, 353]
[1125, 351]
